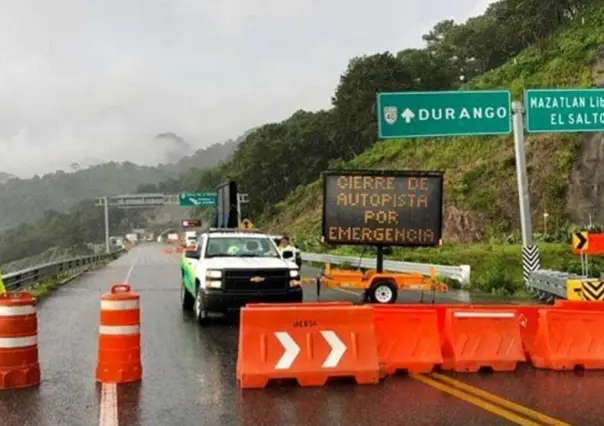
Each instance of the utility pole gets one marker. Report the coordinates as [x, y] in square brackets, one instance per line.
[106, 208]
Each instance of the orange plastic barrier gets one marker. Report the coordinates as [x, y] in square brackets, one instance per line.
[568, 338]
[304, 304]
[580, 304]
[168, 250]
[119, 357]
[527, 318]
[19, 365]
[179, 250]
[407, 339]
[306, 343]
[477, 338]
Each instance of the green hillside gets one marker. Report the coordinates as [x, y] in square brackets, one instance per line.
[480, 182]
[481, 198]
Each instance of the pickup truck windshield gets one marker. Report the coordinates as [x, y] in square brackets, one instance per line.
[241, 247]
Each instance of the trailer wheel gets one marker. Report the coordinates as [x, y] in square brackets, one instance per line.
[383, 292]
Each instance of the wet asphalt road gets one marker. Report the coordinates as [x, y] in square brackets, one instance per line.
[189, 371]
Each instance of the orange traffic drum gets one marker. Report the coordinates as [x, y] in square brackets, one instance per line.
[119, 356]
[19, 365]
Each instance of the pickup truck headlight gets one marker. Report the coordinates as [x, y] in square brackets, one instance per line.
[214, 284]
[294, 278]
[213, 274]
[214, 278]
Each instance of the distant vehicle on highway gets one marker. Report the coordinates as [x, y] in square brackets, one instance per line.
[190, 239]
[230, 268]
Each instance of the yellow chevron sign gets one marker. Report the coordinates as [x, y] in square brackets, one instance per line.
[246, 224]
[592, 290]
[580, 241]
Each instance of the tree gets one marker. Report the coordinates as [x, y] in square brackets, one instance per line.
[354, 101]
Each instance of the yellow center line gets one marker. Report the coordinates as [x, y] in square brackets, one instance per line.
[501, 401]
[487, 406]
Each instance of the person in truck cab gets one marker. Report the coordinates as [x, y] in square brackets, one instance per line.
[284, 244]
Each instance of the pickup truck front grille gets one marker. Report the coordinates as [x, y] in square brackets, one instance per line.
[240, 280]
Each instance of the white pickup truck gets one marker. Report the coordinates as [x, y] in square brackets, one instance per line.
[230, 268]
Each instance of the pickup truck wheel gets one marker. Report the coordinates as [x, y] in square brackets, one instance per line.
[383, 292]
[201, 314]
[186, 298]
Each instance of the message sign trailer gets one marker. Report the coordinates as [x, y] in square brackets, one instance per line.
[382, 208]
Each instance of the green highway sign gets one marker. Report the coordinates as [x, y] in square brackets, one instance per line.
[198, 199]
[564, 110]
[432, 114]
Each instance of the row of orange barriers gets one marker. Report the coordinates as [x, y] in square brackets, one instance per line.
[312, 343]
[119, 351]
[179, 250]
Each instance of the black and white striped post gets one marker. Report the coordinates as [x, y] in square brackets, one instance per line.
[530, 253]
[530, 261]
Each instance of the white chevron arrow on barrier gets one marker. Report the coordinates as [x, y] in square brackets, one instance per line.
[291, 350]
[338, 348]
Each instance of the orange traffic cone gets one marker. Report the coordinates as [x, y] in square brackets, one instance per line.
[119, 358]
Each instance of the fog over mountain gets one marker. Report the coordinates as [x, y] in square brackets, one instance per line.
[89, 82]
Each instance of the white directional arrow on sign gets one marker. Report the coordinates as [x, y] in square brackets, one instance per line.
[291, 350]
[194, 201]
[408, 115]
[338, 348]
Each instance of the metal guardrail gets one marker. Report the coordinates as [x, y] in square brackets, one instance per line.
[28, 277]
[547, 283]
[459, 273]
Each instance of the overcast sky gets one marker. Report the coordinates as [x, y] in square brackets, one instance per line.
[90, 81]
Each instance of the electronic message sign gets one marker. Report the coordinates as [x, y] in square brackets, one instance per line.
[379, 207]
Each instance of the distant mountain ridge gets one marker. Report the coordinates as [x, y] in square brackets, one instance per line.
[26, 200]
[6, 176]
[208, 156]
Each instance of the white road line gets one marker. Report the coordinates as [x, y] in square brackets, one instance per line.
[130, 270]
[108, 408]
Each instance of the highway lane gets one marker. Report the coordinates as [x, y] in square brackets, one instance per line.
[189, 371]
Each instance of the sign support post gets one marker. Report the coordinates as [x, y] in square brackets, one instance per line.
[530, 253]
[379, 267]
[241, 199]
[521, 173]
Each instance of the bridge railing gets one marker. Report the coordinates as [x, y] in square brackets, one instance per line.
[29, 277]
[459, 273]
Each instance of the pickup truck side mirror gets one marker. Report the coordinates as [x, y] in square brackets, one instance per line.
[288, 254]
[191, 254]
